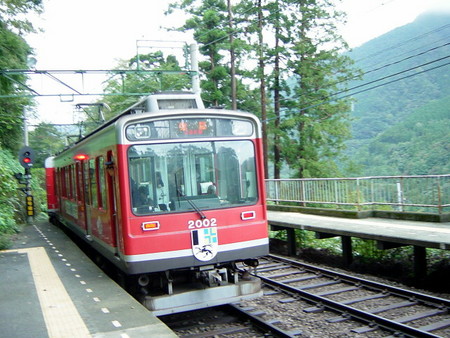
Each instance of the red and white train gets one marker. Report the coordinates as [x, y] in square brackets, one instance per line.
[173, 195]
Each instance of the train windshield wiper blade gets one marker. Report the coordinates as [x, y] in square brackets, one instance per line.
[191, 203]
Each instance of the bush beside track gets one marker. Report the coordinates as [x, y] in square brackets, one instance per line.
[12, 200]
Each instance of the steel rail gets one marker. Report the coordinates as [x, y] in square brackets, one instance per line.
[262, 324]
[396, 291]
[366, 317]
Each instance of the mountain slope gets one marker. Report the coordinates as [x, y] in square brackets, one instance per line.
[411, 51]
[418, 145]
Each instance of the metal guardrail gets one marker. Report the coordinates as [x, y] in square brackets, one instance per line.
[426, 193]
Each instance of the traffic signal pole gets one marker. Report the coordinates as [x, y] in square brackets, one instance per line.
[26, 159]
[29, 200]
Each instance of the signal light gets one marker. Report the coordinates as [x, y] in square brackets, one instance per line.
[26, 157]
[30, 205]
[80, 157]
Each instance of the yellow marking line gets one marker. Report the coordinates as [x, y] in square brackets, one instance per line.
[60, 314]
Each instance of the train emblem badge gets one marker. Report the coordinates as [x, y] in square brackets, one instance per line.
[205, 243]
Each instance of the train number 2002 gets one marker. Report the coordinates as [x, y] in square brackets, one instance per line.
[200, 223]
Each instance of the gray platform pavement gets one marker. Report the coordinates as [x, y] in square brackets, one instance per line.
[49, 288]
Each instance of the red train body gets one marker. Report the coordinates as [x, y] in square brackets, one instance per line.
[168, 190]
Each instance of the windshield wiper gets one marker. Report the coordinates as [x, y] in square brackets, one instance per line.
[191, 203]
[194, 206]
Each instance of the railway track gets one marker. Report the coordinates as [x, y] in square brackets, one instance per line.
[308, 301]
[377, 307]
[225, 321]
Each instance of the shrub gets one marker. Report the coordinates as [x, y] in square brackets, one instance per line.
[12, 200]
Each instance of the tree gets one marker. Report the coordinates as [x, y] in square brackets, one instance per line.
[14, 52]
[166, 75]
[13, 55]
[12, 14]
[299, 70]
[46, 140]
[314, 125]
[209, 23]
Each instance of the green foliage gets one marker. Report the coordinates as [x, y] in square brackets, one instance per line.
[9, 197]
[14, 52]
[404, 149]
[13, 55]
[143, 82]
[12, 200]
[12, 14]
[396, 125]
[208, 21]
[38, 189]
[46, 141]
[315, 126]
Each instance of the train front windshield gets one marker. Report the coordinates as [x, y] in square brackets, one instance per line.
[177, 177]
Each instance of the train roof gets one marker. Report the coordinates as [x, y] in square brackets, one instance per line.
[156, 102]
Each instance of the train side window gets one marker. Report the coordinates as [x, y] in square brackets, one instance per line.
[58, 182]
[78, 180]
[69, 181]
[93, 184]
[101, 182]
[73, 192]
[86, 182]
[65, 182]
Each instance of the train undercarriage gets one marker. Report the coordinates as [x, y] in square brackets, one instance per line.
[184, 290]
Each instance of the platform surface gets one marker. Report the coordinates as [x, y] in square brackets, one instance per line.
[49, 288]
[426, 234]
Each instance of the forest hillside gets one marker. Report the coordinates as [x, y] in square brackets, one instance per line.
[401, 115]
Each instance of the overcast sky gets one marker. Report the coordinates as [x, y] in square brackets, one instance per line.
[94, 34]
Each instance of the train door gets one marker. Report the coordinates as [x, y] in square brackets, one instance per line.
[112, 200]
[81, 195]
[91, 194]
[194, 173]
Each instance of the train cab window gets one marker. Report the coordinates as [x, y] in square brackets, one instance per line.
[180, 177]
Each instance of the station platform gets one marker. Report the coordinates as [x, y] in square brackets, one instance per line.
[49, 288]
[426, 234]
[389, 233]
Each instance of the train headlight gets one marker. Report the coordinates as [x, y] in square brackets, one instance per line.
[138, 132]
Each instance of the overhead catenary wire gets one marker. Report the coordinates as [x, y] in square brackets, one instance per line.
[398, 45]
[373, 70]
[388, 65]
[394, 74]
[331, 98]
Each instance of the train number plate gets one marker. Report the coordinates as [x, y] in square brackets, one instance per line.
[202, 223]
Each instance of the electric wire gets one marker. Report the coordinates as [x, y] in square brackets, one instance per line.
[331, 98]
[384, 77]
[388, 65]
[398, 45]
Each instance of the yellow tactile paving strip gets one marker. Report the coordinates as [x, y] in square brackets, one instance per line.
[60, 314]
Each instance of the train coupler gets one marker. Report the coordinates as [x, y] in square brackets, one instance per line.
[216, 277]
